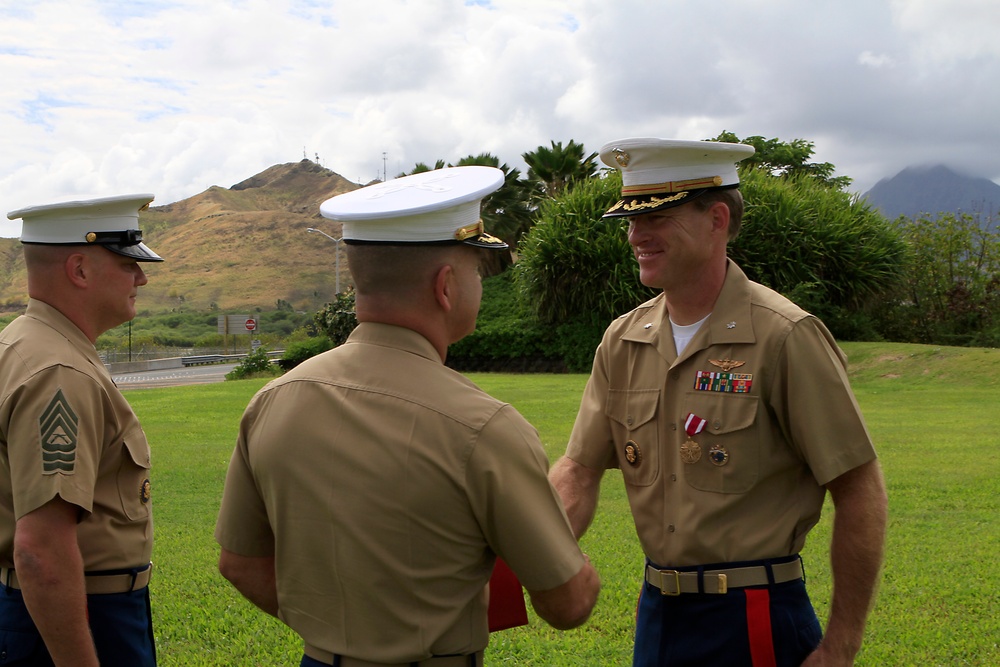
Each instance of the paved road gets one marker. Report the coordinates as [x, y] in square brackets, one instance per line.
[173, 377]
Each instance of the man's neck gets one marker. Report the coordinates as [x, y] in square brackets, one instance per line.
[402, 315]
[696, 300]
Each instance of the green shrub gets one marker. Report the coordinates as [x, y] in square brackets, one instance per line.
[510, 338]
[950, 294]
[575, 266]
[337, 319]
[297, 352]
[255, 364]
[823, 248]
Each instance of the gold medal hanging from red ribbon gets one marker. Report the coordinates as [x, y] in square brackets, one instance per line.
[691, 450]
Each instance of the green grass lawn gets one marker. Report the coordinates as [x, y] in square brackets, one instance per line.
[933, 413]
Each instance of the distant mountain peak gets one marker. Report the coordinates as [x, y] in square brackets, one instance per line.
[280, 174]
[932, 190]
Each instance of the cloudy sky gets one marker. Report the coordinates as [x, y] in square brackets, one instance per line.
[174, 96]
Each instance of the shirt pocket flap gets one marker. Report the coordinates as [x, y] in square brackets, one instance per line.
[728, 415]
[133, 476]
[632, 408]
[138, 447]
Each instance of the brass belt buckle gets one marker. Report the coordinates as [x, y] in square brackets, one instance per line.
[723, 584]
[677, 582]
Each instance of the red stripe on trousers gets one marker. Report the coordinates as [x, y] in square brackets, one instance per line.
[759, 627]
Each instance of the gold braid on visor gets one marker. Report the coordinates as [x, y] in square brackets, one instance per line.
[670, 187]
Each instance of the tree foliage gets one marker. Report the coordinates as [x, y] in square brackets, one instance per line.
[506, 212]
[950, 293]
[421, 167]
[803, 234]
[558, 168]
[786, 159]
[575, 266]
[825, 249]
[812, 242]
[255, 364]
[337, 319]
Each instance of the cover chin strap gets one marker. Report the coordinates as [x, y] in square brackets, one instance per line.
[123, 238]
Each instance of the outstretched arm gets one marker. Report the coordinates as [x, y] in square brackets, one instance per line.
[578, 487]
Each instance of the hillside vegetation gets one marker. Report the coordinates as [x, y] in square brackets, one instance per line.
[235, 249]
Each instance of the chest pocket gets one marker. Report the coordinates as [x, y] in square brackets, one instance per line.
[730, 442]
[133, 476]
[632, 415]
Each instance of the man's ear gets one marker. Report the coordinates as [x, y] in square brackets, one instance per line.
[443, 286]
[78, 269]
[720, 216]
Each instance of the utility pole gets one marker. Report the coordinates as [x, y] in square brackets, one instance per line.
[336, 250]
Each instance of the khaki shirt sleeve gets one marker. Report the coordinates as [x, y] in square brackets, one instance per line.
[519, 511]
[813, 400]
[591, 442]
[55, 440]
[243, 527]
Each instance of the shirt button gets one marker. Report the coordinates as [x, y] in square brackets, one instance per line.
[673, 478]
[673, 427]
[628, 421]
[674, 375]
[670, 528]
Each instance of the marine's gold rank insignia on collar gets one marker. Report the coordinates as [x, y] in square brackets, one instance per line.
[726, 364]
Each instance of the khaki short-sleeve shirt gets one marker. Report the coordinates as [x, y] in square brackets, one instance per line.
[66, 431]
[765, 383]
[385, 484]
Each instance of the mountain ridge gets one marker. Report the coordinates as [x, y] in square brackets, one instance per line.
[932, 190]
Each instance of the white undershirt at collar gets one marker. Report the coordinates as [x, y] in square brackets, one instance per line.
[684, 334]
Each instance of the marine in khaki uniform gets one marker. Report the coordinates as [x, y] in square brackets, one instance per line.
[372, 488]
[76, 527]
[728, 411]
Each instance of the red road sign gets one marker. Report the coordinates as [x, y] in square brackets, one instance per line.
[251, 324]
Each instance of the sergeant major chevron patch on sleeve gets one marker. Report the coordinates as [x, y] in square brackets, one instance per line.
[58, 425]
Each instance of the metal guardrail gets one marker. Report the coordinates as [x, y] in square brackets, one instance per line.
[200, 360]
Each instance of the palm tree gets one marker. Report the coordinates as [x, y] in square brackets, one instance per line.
[557, 168]
[420, 168]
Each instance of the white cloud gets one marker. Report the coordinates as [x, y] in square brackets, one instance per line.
[876, 61]
[173, 97]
